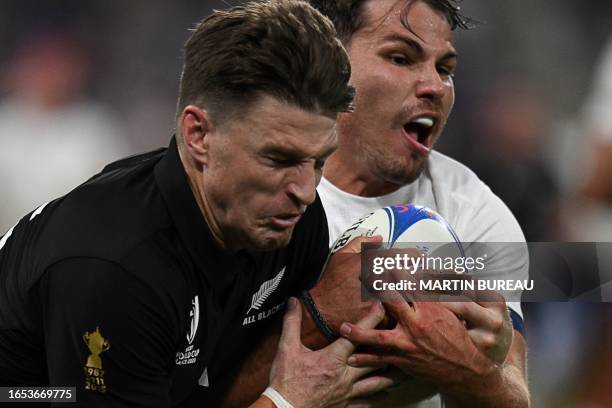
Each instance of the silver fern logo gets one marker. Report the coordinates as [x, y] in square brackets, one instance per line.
[265, 290]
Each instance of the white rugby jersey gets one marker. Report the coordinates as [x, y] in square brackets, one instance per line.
[457, 194]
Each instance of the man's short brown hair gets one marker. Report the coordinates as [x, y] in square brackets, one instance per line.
[348, 16]
[282, 48]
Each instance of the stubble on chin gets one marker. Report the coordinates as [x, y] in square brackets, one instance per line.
[397, 170]
[270, 241]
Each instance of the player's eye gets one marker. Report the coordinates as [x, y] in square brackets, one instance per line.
[446, 72]
[281, 162]
[399, 59]
[278, 162]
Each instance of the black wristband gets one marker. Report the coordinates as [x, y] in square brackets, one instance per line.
[317, 318]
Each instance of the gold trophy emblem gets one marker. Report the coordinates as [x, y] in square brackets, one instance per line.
[94, 375]
[97, 345]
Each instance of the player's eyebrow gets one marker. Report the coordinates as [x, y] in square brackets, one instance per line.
[294, 154]
[410, 43]
[451, 55]
[416, 47]
[282, 151]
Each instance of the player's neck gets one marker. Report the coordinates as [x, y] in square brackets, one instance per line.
[195, 184]
[346, 174]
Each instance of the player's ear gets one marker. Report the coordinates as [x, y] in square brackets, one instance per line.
[196, 125]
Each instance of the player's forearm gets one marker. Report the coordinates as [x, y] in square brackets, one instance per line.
[506, 387]
[252, 377]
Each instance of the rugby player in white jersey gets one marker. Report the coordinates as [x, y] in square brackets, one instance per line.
[459, 353]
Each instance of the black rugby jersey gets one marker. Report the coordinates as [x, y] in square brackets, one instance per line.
[118, 288]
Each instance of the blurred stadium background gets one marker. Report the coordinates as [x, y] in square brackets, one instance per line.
[84, 82]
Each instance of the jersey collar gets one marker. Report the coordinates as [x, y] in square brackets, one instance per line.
[217, 264]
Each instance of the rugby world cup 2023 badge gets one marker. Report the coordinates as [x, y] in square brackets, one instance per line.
[94, 375]
[190, 355]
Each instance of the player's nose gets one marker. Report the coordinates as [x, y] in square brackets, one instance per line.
[430, 84]
[302, 188]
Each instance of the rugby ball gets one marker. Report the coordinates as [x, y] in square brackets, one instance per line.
[408, 224]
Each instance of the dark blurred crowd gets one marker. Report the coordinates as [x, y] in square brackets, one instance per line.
[83, 83]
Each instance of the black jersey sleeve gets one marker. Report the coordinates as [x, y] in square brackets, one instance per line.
[311, 247]
[107, 333]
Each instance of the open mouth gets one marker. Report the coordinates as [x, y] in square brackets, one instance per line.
[420, 130]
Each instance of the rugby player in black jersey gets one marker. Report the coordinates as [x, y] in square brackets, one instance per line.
[128, 286]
